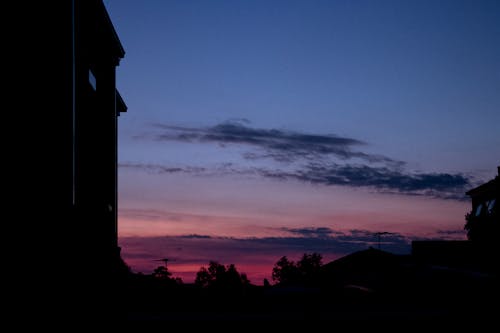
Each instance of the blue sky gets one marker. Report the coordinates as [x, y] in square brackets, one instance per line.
[414, 82]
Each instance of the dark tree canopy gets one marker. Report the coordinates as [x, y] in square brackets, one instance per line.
[304, 272]
[285, 271]
[161, 273]
[482, 228]
[220, 276]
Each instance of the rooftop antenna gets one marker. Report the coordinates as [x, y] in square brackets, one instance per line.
[378, 234]
[165, 260]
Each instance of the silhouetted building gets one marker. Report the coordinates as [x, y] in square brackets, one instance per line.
[482, 225]
[485, 197]
[446, 253]
[483, 221]
[65, 144]
[95, 107]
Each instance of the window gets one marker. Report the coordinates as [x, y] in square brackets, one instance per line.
[491, 204]
[92, 80]
[478, 209]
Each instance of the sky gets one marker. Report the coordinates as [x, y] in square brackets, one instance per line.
[259, 129]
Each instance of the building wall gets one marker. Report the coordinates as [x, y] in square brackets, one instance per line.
[98, 51]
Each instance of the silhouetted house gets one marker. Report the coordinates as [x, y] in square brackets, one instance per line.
[479, 252]
[445, 253]
[95, 107]
[370, 269]
[485, 197]
[483, 221]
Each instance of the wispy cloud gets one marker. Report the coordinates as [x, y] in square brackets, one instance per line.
[382, 179]
[311, 232]
[280, 145]
[195, 236]
[158, 168]
[451, 232]
[318, 159]
[454, 234]
[151, 214]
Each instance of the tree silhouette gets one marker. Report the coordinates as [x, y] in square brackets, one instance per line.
[309, 267]
[304, 272]
[285, 271]
[232, 277]
[483, 227]
[162, 273]
[244, 279]
[203, 278]
[220, 276]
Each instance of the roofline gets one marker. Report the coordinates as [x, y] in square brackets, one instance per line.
[491, 183]
[119, 45]
[119, 100]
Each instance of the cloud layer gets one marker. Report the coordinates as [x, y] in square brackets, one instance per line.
[194, 251]
[280, 145]
[382, 179]
[316, 159]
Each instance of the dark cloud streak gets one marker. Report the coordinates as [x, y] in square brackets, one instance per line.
[159, 169]
[311, 232]
[380, 179]
[384, 179]
[280, 145]
[377, 172]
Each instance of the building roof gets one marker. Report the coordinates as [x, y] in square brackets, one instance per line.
[120, 104]
[490, 186]
[96, 33]
[117, 45]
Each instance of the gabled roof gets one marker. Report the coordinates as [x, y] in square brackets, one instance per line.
[365, 259]
[490, 186]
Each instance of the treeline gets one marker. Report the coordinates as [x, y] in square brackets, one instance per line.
[285, 272]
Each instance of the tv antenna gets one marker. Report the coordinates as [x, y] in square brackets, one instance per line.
[165, 260]
[379, 234]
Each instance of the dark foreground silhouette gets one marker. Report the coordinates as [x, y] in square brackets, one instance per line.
[450, 281]
[370, 285]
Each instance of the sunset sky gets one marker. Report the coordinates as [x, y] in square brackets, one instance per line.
[257, 129]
